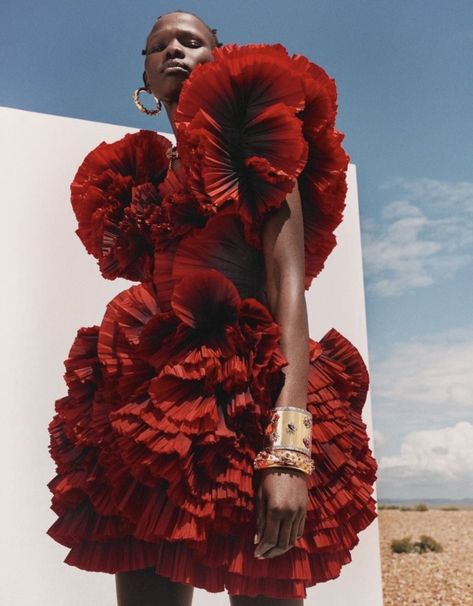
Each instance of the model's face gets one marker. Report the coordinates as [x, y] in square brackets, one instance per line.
[176, 44]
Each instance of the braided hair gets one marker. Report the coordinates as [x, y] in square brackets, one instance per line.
[212, 30]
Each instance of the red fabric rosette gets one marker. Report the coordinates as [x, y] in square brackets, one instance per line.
[115, 198]
[252, 122]
[179, 366]
[240, 139]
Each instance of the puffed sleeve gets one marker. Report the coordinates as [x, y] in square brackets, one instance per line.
[251, 123]
[115, 197]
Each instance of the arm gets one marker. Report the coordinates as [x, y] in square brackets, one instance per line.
[282, 495]
[283, 245]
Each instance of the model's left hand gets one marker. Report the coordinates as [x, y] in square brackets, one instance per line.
[281, 503]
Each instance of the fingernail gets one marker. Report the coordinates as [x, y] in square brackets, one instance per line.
[256, 538]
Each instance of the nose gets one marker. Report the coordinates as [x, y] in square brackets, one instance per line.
[174, 50]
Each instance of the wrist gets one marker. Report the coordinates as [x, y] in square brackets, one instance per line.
[288, 471]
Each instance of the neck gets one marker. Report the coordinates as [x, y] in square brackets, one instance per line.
[171, 107]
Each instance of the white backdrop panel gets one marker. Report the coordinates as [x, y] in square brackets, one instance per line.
[51, 287]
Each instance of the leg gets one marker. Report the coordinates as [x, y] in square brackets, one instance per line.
[146, 588]
[260, 600]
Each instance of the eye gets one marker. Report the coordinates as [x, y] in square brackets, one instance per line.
[156, 48]
[191, 41]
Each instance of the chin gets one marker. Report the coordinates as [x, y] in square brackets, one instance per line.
[172, 97]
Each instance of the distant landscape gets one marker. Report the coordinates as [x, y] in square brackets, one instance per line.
[426, 551]
[433, 503]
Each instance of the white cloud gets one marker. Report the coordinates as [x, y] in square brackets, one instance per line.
[438, 194]
[422, 399]
[424, 383]
[446, 452]
[431, 463]
[424, 237]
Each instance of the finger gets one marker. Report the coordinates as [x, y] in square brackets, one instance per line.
[270, 534]
[283, 541]
[300, 531]
[260, 514]
[294, 530]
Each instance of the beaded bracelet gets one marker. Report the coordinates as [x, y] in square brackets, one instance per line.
[295, 460]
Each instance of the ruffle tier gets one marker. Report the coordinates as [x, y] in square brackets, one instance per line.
[155, 441]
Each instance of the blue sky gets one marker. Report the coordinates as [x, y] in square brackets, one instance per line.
[405, 88]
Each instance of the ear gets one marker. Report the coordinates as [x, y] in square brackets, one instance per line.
[145, 80]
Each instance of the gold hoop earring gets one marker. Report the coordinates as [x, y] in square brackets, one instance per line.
[141, 107]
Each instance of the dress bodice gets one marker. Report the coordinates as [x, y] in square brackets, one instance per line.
[220, 244]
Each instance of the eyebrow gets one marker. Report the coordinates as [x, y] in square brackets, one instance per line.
[186, 31]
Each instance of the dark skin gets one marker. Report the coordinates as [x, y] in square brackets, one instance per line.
[176, 44]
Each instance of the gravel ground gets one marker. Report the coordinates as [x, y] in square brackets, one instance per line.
[428, 579]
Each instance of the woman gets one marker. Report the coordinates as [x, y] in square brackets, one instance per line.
[198, 215]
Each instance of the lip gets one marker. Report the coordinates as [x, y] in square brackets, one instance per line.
[175, 67]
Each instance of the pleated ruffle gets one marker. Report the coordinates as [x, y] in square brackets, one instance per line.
[176, 411]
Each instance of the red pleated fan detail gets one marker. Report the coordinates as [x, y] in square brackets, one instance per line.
[252, 151]
[115, 199]
[238, 131]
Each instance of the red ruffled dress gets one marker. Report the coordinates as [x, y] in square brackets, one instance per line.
[167, 400]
